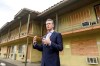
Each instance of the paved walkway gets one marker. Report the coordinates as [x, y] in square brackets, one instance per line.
[8, 62]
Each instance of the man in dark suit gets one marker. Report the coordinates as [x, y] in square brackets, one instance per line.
[51, 45]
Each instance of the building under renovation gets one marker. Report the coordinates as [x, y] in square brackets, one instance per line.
[77, 20]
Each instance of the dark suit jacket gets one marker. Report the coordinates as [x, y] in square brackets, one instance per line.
[50, 54]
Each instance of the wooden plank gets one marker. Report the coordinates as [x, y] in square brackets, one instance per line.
[27, 39]
[84, 47]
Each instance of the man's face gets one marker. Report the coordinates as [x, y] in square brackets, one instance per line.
[49, 25]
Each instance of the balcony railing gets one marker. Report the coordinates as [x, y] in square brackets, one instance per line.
[78, 26]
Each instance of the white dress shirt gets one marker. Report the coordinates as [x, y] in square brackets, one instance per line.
[49, 34]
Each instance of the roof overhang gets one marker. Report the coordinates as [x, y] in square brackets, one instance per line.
[65, 6]
[23, 13]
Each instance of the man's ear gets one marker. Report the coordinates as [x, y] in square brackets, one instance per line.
[53, 26]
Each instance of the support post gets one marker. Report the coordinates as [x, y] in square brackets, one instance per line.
[0, 38]
[56, 22]
[19, 28]
[27, 39]
[8, 34]
[42, 28]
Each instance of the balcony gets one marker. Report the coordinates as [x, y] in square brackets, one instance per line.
[80, 28]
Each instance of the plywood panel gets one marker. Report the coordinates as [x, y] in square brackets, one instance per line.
[98, 12]
[4, 49]
[4, 38]
[36, 28]
[14, 34]
[76, 18]
[23, 30]
[84, 47]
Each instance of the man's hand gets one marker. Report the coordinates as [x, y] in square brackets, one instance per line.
[34, 39]
[46, 41]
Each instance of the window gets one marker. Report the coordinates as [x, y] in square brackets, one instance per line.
[84, 47]
[85, 24]
[12, 49]
[20, 49]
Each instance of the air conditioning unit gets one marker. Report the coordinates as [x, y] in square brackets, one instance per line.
[23, 33]
[92, 60]
[85, 24]
[21, 56]
[93, 23]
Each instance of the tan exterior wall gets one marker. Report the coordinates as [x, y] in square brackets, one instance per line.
[35, 55]
[36, 28]
[4, 38]
[73, 20]
[14, 34]
[3, 52]
[67, 22]
[69, 59]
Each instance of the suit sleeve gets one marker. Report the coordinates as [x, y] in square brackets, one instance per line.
[59, 44]
[38, 47]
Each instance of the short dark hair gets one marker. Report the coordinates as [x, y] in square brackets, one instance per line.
[50, 20]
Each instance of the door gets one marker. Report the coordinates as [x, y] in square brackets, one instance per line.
[8, 51]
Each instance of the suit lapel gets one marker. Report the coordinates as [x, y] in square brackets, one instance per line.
[52, 35]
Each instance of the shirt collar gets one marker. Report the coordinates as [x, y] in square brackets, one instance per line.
[51, 31]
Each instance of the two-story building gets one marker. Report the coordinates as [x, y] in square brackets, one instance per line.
[77, 20]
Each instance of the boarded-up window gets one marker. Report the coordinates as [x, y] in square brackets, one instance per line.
[97, 8]
[76, 17]
[30, 28]
[86, 47]
[20, 49]
[0, 49]
[44, 29]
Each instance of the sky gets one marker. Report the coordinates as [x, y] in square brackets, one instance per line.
[9, 8]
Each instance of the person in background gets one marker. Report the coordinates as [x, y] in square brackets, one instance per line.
[51, 45]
